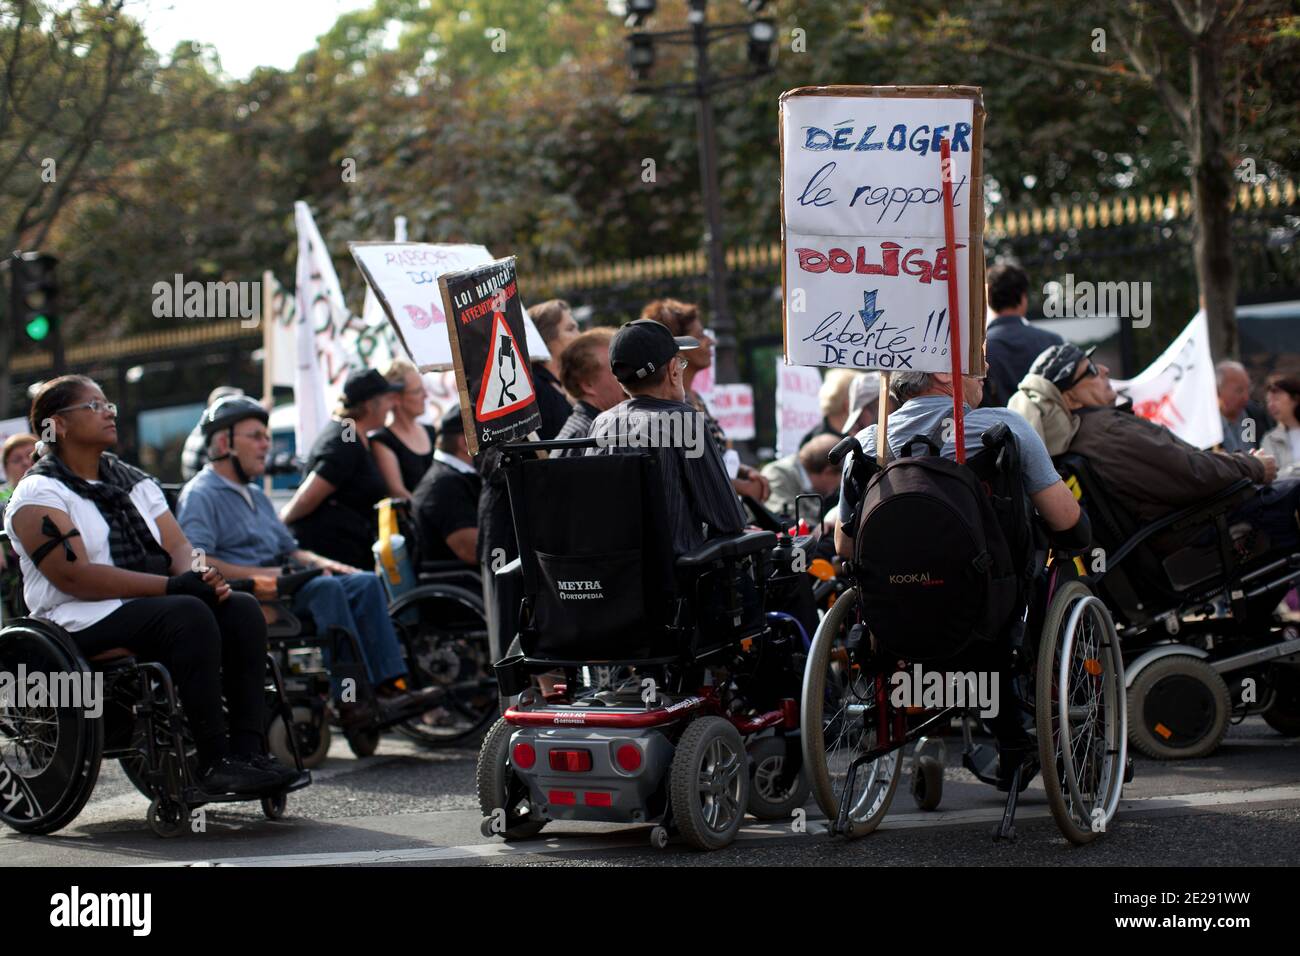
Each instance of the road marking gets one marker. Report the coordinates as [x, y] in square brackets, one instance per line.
[751, 833]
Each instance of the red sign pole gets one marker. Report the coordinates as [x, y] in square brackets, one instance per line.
[954, 302]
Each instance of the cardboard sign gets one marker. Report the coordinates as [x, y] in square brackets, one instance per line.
[798, 405]
[404, 277]
[733, 407]
[865, 276]
[485, 324]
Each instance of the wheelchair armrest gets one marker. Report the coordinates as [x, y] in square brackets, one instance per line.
[728, 546]
[763, 517]
[444, 567]
[287, 585]
[515, 568]
[1218, 503]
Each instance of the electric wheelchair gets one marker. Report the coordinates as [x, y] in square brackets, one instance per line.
[1057, 661]
[1201, 642]
[650, 689]
[50, 756]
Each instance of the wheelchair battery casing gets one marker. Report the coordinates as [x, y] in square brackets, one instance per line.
[628, 793]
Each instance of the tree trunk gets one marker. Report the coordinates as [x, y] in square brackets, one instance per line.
[1212, 187]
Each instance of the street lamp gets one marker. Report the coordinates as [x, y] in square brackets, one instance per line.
[701, 34]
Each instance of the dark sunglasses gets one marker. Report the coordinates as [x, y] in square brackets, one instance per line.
[1090, 370]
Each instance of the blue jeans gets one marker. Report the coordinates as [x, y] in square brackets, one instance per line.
[358, 603]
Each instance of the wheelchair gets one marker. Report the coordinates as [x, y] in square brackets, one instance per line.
[1060, 662]
[50, 756]
[1202, 645]
[650, 690]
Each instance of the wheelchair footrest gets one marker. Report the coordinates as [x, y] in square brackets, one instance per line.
[982, 761]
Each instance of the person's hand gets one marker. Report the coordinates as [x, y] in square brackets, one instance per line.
[750, 482]
[336, 567]
[1270, 465]
[200, 585]
[217, 581]
[264, 588]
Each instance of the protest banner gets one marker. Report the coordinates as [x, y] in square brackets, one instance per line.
[14, 426]
[319, 305]
[404, 277]
[865, 279]
[485, 325]
[1179, 389]
[798, 405]
[733, 408]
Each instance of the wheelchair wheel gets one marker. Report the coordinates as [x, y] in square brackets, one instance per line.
[1180, 707]
[49, 756]
[363, 741]
[709, 783]
[837, 716]
[1080, 711]
[312, 732]
[446, 646]
[502, 797]
[273, 807]
[168, 818]
[768, 800]
[927, 782]
[1284, 715]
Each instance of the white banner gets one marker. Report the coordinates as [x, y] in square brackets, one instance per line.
[13, 426]
[798, 407]
[866, 265]
[1179, 390]
[321, 308]
[405, 277]
[733, 407]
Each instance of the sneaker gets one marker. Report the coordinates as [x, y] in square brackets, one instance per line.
[284, 774]
[229, 775]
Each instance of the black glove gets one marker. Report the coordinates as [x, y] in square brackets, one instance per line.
[192, 583]
[1077, 538]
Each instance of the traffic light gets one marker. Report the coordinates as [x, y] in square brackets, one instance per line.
[33, 295]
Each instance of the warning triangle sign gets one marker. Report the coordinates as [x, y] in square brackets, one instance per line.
[507, 383]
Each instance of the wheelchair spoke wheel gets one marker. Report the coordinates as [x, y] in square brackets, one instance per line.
[1081, 713]
[50, 751]
[839, 724]
[444, 634]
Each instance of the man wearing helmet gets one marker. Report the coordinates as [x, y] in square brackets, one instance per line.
[230, 519]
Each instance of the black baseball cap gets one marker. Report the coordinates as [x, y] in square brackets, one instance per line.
[1057, 364]
[644, 346]
[451, 422]
[366, 383]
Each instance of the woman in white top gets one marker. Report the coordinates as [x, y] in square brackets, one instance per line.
[1283, 442]
[103, 558]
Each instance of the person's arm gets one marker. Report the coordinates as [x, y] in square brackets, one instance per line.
[464, 544]
[184, 557]
[1057, 506]
[80, 578]
[311, 494]
[386, 460]
[1192, 474]
[313, 560]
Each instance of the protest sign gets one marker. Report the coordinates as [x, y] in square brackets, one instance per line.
[798, 405]
[1179, 390]
[733, 408]
[485, 324]
[404, 277]
[865, 264]
[14, 426]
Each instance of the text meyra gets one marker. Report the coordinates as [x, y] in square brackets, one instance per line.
[922, 140]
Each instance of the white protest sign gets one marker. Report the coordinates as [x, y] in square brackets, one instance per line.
[733, 407]
[1179, 390]
[404, 276]
[866, 265]
[798, 405]
[13, 426]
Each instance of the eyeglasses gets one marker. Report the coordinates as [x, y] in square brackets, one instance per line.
[1090, 370]
[95, 406]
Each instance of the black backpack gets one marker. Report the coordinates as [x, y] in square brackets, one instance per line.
[934, 566]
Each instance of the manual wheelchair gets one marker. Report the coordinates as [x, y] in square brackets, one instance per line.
[650, 689]
[50, 756]
[1202, 644]
[1060, 662]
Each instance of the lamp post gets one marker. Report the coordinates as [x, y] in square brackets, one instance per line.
[700, 34]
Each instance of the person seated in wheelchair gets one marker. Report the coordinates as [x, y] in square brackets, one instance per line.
[103, 558]
[924, 405]
[1152, 471]
[229, 518]
[445, 503]
[700, 499]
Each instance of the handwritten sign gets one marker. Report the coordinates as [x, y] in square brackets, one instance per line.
[486, 326]
[733, 407]
[798, 405]
[404, 277]
[1179, 390]
[866, 270]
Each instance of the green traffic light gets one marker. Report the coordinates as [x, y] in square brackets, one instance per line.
[38, 328]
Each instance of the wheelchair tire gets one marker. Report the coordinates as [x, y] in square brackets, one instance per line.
[447, 646]
[49, 757]
[927, 783]
[362, 740]
[502, 797]
[829, 687]
[313, 735]
[767, 799]
[709, 783]
[273, 807]
[1284, 713]
[1180, 707]
[168, 818]
[1080, 678]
